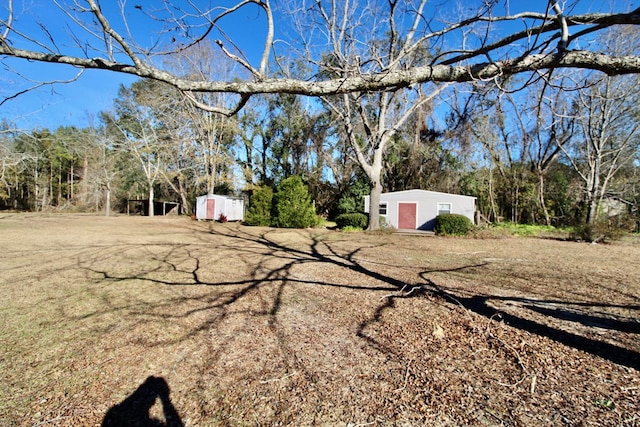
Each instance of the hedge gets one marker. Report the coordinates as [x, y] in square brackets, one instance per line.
[356, 220]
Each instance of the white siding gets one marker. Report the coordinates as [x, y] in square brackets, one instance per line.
[427, 208]
[231, 207]
[234, 209]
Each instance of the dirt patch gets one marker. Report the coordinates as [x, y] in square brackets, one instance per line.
[195, 323]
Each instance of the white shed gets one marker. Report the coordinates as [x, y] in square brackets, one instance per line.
[417, 209]
[212, 206]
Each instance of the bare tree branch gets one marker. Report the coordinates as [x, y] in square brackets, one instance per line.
[490, 60]
[7, 24]
[610, 65]
[564, 37]
[38, 85]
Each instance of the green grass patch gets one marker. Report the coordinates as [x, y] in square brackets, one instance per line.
[351, 229]
[510, 229]
[525, 230]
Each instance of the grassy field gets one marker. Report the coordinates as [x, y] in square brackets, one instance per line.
[107, 320]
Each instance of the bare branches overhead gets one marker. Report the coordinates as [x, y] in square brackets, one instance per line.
[475, 47]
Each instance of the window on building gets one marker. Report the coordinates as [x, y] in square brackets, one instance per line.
[444, 208]
[383, 208]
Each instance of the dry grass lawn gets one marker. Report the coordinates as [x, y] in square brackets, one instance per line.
[130, 319]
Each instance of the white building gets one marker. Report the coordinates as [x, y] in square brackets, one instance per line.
[212, 206]
[417, 209]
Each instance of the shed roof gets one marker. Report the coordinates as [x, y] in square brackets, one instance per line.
[418, 192]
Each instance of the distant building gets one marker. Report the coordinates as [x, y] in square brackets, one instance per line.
[213, 207]
[417, 209]
[141, 207]
[615, 206]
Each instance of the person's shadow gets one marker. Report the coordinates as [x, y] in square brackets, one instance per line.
[134, 410]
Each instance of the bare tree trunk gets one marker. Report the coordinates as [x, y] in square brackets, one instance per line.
[492, 197]
[515, 198]
[44, 199]
[36, 189]
[107, 202]
[211, 181]
[70, 195]
[592, 201]
[183, 197]
[374, 200]
[85, 187]
[541, 198]
[59, 198]
[50, 186]
[151, 212]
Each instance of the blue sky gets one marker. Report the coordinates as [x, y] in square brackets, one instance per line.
[79, 103]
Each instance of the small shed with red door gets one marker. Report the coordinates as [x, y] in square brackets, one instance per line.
[216, 207]
[418, 209]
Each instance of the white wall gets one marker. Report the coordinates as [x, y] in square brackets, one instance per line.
[231, 207]
[427, 206]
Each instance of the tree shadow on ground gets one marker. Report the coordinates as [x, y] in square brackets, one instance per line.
[135, 410]
[589, 320]
[260, 249]
[480, 304]
[551, 309]
[269, 265]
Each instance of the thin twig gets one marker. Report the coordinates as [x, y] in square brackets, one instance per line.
[393, 294]
[406, 379]
[278, 379]
[532, 387]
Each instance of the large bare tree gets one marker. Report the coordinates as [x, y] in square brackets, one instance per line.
[603, 113]
[483, 44]
[606, 117]
[140, 133]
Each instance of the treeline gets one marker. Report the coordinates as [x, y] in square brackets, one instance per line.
[537, 155]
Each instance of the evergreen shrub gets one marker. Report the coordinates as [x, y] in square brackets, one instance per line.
[259, 210]
[292, 205]
[355, 220]
[453, 225]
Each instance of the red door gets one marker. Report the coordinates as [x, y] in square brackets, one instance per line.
[211, 208]
[407, 215]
